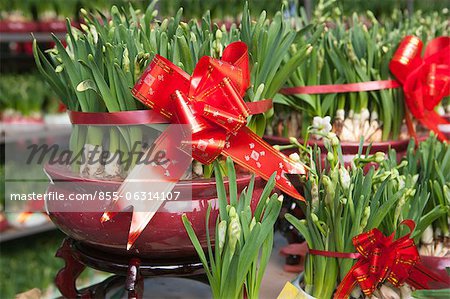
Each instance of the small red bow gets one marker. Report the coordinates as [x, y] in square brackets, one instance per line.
[211, 102]
[426, 81]
[381, 258]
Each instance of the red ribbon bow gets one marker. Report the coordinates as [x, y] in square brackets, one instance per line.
[381, 258]
[425, 80]
[211, 102]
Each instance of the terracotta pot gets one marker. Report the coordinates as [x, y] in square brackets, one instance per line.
[165, 235]
[349, 149]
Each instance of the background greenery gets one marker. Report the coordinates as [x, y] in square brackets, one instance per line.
[30, 262]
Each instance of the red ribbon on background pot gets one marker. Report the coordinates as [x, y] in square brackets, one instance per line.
[211, 102]
[425, 81]
[380, 259]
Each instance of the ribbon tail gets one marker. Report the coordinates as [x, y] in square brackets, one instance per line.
[423, 278]
[346, 286]
[250, 151]
[432, 120]
[158, 179]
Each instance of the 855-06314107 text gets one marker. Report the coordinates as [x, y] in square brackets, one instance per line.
[97, 195]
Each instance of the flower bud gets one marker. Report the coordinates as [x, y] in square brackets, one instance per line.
[394, 173]
[234, 233]
[84, 27]
[221, 231]
[184, 26]
[365, 218]
[379, 157]
[294, 141]
[294, 157]
[252, 223]
[232, 212]
[333, 139]
[218, 34]
[314, 217]
[402, 164]
[329, 189]
[280, 198]
[446, 191]
[126, 61]
[293, 49]
[193, 38]
[330, 157]
[314, 195]
[401, 182]
[344, 178]
[164, 25]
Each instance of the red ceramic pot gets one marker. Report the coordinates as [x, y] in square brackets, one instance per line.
[349, 149]
[164, 237]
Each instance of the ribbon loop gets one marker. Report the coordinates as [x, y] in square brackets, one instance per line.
[383, 258]
[211, 102]
[426, 81]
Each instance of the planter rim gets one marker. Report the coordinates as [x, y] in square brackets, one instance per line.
[399, 142]
[58, 172]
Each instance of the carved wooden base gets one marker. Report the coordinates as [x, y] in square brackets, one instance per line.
[66, 278]
[130, 272]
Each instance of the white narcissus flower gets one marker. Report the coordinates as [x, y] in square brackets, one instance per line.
[344, 177]
[321, 126]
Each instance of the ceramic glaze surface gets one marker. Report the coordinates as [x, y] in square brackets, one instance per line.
[165, 235]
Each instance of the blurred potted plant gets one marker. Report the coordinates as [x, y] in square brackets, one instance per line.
[352, 50]
[17, 16]
[23, 105]
[52, 14]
